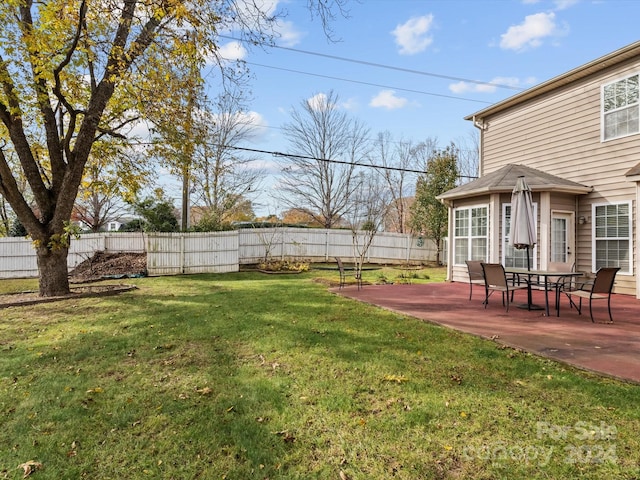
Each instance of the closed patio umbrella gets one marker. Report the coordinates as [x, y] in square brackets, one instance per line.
[523, 226]
[523, 221]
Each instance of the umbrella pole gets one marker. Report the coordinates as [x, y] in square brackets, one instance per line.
[529, 299]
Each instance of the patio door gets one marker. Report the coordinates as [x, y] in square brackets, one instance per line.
[563, 243]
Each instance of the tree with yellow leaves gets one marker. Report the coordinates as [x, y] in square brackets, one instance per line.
[76, 71]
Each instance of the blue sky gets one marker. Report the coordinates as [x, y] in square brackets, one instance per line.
[448, 43]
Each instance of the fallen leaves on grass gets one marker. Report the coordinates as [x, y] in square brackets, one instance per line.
[286, 436]
[29, 467]
[395, 378]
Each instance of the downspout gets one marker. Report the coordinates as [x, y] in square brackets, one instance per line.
[480, 125]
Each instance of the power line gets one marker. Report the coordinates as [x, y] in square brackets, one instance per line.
[367, 83]
[379, 65]
[327, 160]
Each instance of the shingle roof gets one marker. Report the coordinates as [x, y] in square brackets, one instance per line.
[504, 179]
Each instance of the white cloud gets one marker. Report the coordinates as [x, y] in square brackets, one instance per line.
[564, 4]
[413, 36]
[257, 125]
[319, 102]
[232, 51]
[491, 86]
[388, 99]
[530, 32]
[350, 104]
[288, 34]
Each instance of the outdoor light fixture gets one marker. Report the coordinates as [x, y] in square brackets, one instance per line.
[582, 220]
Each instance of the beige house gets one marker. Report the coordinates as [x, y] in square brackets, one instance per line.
[576, 139]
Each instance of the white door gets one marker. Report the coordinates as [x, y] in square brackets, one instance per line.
[563, 244]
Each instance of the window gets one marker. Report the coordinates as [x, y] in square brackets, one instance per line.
[620, 108]
[512, 257]
[471, 234]
[612, 236]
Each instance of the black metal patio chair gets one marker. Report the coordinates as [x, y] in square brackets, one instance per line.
[600, 289]
[496, 281]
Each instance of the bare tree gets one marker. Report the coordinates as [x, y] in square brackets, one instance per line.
[468, 156]
[400, 161]
[327, 143]
[369, 207]
[223, 176]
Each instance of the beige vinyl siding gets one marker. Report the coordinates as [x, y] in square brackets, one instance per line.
[560, 133]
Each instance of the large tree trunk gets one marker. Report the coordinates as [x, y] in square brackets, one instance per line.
[54, 275]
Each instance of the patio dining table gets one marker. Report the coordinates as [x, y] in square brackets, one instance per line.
[545, 274]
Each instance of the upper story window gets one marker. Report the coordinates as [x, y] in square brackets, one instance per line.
[620, 104]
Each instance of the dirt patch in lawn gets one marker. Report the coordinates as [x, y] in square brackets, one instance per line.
[32, 297]
[82, 278]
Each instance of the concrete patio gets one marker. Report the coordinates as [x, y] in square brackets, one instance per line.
[608, 349]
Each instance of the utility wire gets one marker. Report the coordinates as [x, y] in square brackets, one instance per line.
[367, 83]
[306, 157]
[327, 160]
[378, 65]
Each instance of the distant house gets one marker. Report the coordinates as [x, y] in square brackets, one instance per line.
[576, 139]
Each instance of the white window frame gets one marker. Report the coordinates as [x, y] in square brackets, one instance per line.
[604, 114]
[505, 236]
[629, 238]
[469, 236]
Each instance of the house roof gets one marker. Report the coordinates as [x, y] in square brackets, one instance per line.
[600, 64]
[635, 171]
[504, 179]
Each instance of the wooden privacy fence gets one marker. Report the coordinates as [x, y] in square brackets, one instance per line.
[219, 252]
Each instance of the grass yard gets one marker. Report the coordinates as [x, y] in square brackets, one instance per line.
[247, 375]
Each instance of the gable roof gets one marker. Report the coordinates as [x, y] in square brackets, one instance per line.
[504, 179]
[598, 65]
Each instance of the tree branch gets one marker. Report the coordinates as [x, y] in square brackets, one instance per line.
[11, 116]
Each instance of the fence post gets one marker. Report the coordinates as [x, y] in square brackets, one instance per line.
[182, 253]
[326, 245]
[282, 245]
[408, 248]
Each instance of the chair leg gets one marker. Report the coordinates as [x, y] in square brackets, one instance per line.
[591, 312]
[609, 308]
[470, 290]
[573, 304]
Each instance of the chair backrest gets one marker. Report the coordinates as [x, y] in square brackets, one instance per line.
[340, 266]
[494, 275]
[605, 277]
[561, 267]
[474, 268]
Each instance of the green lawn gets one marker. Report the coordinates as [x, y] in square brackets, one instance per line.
[248, 375]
